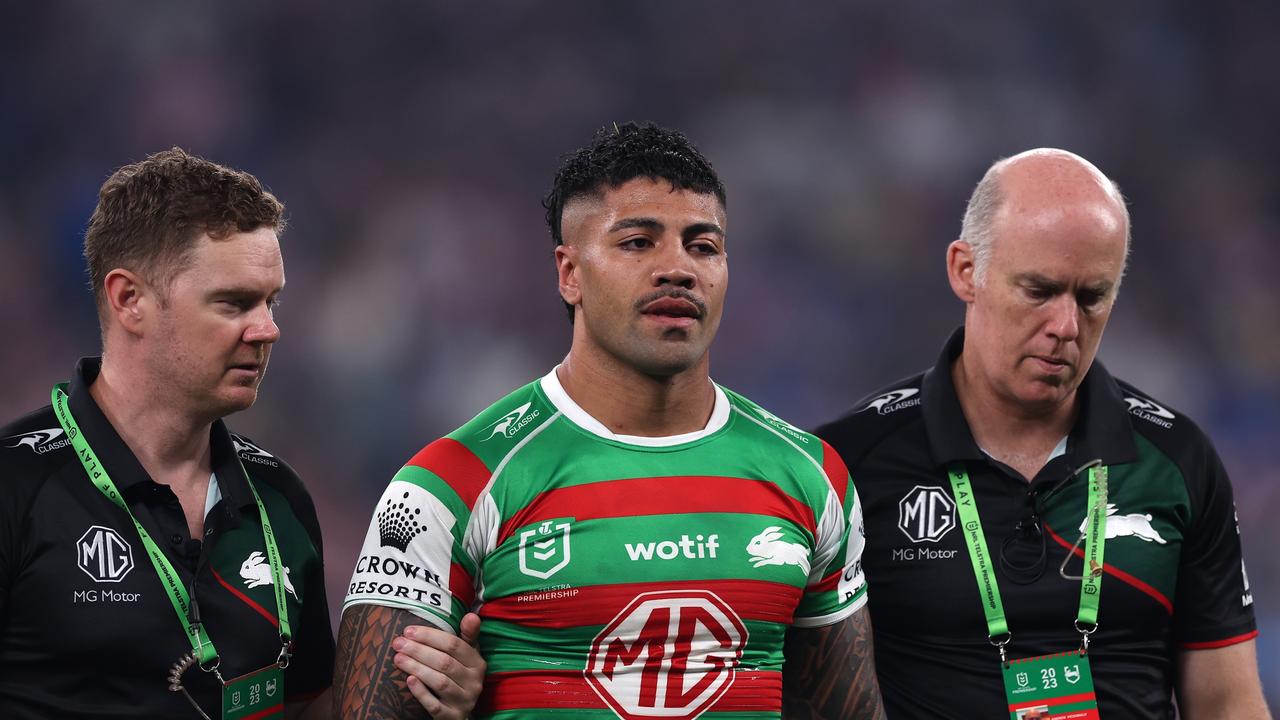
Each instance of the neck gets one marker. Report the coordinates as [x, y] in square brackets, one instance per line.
[1017, 435]
[630, 402]
[172, 446]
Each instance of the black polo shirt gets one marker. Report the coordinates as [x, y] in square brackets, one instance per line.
[86, 627]
[1173, 577]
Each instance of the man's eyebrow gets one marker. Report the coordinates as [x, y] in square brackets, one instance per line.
[703, 228]
[644, 223]
[1103, 286]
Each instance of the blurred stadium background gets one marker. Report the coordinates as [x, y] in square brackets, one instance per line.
[412, 142]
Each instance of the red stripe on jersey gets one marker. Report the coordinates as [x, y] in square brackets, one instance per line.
[661, 496]
[1062, 700]
[837, 472]
[245, 598]
[751, 691]
[1211, 644]
[461, 586]
[452, 462]
[598, 604]
[828, 583]
[1117, 572]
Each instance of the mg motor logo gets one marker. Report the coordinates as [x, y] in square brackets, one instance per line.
[669, 654]
[926, 514]
[103, 555]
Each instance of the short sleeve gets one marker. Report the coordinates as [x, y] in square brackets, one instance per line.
[837, 587]
[1213, 606]
[412, 556]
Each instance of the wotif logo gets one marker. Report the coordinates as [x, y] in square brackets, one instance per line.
[103, 554]
[513, 422]
[894, 400]
[694, 548]
[668, 654]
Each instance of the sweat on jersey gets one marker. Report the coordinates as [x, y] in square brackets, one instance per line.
[620, 576]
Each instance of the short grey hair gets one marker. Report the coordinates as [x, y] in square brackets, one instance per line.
[980, 213]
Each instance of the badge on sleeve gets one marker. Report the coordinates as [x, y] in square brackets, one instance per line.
[1051, 687]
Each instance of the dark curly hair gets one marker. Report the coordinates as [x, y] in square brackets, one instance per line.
[151, 213]
[624, 152]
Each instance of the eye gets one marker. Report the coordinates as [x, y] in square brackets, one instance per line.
[703, 247]
[1090, 300]
[637, 242]
[1038, 293]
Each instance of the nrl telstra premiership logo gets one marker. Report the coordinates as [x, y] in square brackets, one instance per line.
[544, 548]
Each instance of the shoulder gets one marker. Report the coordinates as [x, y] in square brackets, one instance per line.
[1172, 432]
[266, 468]
[32, 448]
[874, 418]
[773, 425]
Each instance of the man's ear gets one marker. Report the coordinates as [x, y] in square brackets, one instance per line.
[129, 300]
[567, 272]
[960, 269]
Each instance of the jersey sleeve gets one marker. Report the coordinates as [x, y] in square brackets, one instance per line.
[413, 554]
[836, 586]
[1213, 606]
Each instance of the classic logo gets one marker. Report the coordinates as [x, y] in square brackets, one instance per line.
[511, 423]
[103, 555]
[1151, 411]
[1134, 524]
[252, 453]
[40, 441]
[544, 550]
[926, 514]
[768, 548]
[784, 426]
[256, 572]
[894, 400]
[668, 654]
[398, 522]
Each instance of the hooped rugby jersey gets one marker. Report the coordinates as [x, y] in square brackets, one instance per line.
[620, 576]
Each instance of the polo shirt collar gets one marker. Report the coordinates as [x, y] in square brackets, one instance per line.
[120, 462]
[1102, 429]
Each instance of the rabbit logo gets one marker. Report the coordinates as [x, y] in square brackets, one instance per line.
[768, 548]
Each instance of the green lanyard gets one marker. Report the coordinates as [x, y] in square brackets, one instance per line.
[177, 592]
[1094, 540]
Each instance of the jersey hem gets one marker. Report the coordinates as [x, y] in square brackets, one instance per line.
[1212, 644]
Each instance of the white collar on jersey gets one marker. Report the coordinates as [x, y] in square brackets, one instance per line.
[565, 404]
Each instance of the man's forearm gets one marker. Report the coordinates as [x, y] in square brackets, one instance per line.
[366, 682]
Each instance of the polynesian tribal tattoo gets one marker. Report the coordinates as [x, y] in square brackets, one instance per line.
[366, 682]
[829, 672]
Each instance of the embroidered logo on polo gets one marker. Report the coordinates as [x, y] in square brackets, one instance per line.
[768, 548]
[544, 548]
[256, 572]
[512, 423]
[40, 441]
[667, 654]
[104, 555]
[926, 514]
[1151, 411]
[1132, 525]
[398, 522]
[895, 400]
[252, 453]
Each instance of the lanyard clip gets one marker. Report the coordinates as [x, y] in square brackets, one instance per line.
[286, 654]
[999, 644]
[1084, 636]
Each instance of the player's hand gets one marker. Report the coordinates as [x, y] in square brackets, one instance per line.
[445, 671]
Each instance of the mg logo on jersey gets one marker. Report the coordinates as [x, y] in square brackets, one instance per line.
[669, 654]
[103, 555]
[544, 549]
[926, 514]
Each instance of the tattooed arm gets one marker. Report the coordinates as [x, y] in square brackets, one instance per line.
[829, 672]
[389, 667]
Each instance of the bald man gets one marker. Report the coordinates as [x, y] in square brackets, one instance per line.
[1042, 537]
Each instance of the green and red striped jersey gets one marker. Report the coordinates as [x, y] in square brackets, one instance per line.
[620, 576]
